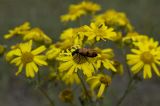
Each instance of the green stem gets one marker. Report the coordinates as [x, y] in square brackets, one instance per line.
[43, 91]
[84, 85]
[127, 91]
[86, 89]
[46, 95]
[125, 63]
[131, 83]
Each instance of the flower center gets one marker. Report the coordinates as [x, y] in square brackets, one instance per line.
[27, 57]
[80, 59]
[147, 57]
[99, 32]
[66, 95]
[105, 80]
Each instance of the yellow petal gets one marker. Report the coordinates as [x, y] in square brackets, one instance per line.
[137, 67]
[158, 62]
[107, 50]
[107, 64]
[67, 58]
[30, 70]
[136, 51]
[86, 70]
[65, 66]
[34, 66]
[7, 36]
[17, 52]
[98, 64]
[155, 69]
[92, 79]
[101, 90]
[19, 69]
[133, 61]
[71, 70]
[132, 56]
[39, 62]
[26, 47]
[98, 38]
[39, 50]
[147, 71]
[93, 26]
[40, 57]
[16, 60]
[95, 84]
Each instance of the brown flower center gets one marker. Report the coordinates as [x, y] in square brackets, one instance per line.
[105, 80]
[147, 57]
[99, 32]
[66, 95]
[27, 57]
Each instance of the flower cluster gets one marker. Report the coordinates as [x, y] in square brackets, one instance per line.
[28, 33]
[77, 10]
[84, 56]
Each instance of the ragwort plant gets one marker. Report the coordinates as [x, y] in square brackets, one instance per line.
[80, 59]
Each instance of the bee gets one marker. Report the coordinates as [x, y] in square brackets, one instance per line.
[85, 52]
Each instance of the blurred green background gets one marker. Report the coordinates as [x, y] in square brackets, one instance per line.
[15, 91]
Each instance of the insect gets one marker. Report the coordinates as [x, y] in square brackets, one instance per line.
[85, 52]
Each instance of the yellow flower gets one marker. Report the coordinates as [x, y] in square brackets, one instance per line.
[70, 79]
[114, 19]
[72, 36]
[146, 56]
[134, 37]
[24, 56]
[105, 57]
[66, 96]
[53, 52]
[99, 31]
[90, 6]
[73, 63]
[68, 43]
[27, 33]
[20, 30]
[100, 80]
[74, 13]
[78, 10]
[10, 55]
[146, 41]
[37, 34]
[72, 33]
[68, 33]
